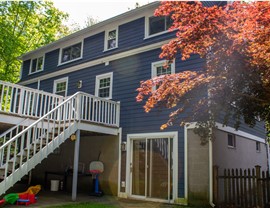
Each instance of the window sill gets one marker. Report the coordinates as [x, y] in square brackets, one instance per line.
[67, 62]
[231, 147]
[158, 34]
[35, 72]
[111, 49]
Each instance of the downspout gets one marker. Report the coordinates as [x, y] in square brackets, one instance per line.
[211, 172]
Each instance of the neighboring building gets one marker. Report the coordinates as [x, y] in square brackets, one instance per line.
[109, 60]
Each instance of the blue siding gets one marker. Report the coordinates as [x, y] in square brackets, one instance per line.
[25, 68]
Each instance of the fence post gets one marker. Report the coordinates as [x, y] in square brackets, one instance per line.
[259, 188]
[215, 184]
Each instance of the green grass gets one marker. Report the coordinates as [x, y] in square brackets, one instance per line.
[84, 205]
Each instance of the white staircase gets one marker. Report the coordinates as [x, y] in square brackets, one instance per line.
[59, 119]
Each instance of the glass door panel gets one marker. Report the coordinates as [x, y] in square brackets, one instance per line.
[138, 167]
[158, 166]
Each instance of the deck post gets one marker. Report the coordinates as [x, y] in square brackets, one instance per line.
[75, 166]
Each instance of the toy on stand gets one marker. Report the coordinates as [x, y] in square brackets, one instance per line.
[95, 168]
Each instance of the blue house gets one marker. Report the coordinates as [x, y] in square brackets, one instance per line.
[75, 104]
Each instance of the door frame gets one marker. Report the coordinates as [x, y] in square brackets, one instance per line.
[130, 138]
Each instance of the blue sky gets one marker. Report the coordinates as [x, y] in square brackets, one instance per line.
[79, 10]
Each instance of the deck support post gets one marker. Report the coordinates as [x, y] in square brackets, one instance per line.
[75, 166]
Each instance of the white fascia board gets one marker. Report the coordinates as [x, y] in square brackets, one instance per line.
[231, 130]
[95, 29]
[96, 62]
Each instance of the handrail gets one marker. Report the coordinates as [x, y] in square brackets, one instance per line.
[37, 121]
[12, 128]
[26, 101]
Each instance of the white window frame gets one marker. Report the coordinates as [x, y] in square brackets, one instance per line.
[233, 146]
[154, 66]
[107, 38]
[31, 63]
[61, 53]
[103, 76]
[147, 31]
[174, 136]
[64, 79]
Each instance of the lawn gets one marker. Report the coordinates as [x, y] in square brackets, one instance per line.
[84, 205]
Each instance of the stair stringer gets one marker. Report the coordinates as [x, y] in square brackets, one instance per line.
[17, 175]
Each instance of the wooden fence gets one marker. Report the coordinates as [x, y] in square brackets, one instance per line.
[241, 188]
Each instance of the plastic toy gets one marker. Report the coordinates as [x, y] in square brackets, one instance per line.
[95, 168]
[26, 198]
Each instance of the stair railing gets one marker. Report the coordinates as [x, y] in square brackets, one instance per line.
[26, 101]
[29, 147]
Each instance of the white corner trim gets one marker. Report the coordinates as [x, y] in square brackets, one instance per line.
[231, 130]
[119, 162]
[186, 161]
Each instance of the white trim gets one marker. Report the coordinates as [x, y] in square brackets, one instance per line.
[156, 64]
[232, 130]
[55, 82]
[103, 76]
[186, 161]
[68, 46]
[97, 62]
[146, 28]
[31, 63]
[174, 136]
[119, 162]
[107, 36]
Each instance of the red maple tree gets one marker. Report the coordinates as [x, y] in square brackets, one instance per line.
[234, 40]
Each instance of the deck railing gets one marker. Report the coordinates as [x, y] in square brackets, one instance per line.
[17, 99]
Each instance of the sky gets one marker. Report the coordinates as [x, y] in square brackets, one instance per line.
[79, 10]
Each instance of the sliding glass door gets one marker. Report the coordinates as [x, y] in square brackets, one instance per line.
[151, 168]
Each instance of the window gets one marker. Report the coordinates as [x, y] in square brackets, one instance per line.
[71, 53]
[258, 146]
[231, 141]
[158, 25]
[111, 39]
[36, 65]
[60, 86]
[104, 85]
[158, 69]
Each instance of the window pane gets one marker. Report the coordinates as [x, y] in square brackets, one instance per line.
[156, 25]
[104, 87]
[71, 52]
[112, 39]
[169, 22]
[161, 70]
[34, 65]
[60, 87]
[39, 63]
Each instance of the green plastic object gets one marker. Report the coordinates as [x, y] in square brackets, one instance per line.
[11, 198]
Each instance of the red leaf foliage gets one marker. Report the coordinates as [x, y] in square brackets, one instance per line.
[235, 42]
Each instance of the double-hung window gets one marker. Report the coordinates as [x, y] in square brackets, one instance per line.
[104, 85]
[111, 39]
[36, 65]
[60, 86]
[158, 68]
[71, 53]
[158, 25]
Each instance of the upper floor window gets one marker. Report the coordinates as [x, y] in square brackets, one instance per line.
[111, 39]
[60, 86]
[71, 53]
[158, 68]
[104, 85]
[36, 65]
[231, 141]
[158, 25]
